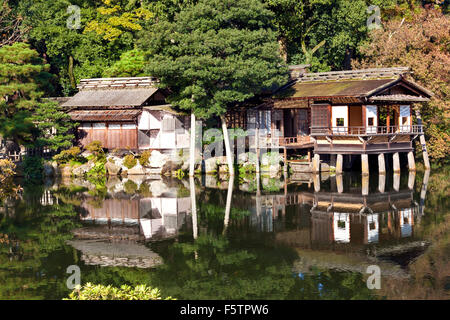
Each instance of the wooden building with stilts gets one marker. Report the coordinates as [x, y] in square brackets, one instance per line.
[343, 113]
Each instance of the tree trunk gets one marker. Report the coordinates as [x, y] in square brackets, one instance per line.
[228, 150]
[426, 160]
[192, 147]
[71, 75]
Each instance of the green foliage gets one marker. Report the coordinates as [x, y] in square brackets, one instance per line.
[96, 148]
[97, 171]
[100, 292]
[215, 53]
[131, 64]
[144, 157]
[129, 161]
[33, 167]
[115, 17]
[55, 126]
[22, 75]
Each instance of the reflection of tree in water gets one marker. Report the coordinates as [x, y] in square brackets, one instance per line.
[33, 260]
[218, 268]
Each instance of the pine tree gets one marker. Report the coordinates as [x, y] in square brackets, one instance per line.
[215, 53]
[25, 117]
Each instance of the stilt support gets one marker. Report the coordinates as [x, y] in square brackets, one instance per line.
[381, 164]
[396, 162]
[411, 161]
[316, 163]
[365, 164]
[339, 163]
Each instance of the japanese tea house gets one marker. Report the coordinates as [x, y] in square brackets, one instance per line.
[127, 113]
[357, 112]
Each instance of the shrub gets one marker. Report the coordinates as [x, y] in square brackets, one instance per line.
[72, 154]
[125, 292]
[95, 147]
[129, 161]
[144, 157]
[7, 168]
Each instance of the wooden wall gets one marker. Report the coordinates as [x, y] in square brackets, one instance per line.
[111, 135]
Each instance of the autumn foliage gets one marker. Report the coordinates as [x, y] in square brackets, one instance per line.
[422, 42]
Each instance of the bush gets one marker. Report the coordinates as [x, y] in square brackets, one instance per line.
[144, 157]
[7, 168]
[101, 292]
[95, 147]
[129, 161]
[72, 154]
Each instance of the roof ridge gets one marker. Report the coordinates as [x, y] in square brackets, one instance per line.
[120, 82]
[360, 74]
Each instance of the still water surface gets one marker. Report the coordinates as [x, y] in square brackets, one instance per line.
[310, 239]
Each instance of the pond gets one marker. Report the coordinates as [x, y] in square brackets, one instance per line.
[312, 238]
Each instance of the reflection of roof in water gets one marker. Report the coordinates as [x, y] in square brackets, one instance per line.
[343, 262]
[376, 202]
[117, 254]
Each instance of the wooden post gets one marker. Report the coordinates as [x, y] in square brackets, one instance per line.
[192, 147]
[365, 185]
[388, 118]
[257, 148]
[285, 167]
[316, 180]
[411, 180]
[339, 163]
[365, 164]
[426, 160]
[411, 162]
[397, 181]
[381, 164]
[316, 163]
[339, 183]
[396, 162]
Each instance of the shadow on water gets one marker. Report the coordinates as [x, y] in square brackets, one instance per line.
[308, 238]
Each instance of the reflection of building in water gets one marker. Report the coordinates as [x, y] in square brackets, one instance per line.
[345, 218]
[162, 217]
[116, 254]
[153, 218]
[323, 218]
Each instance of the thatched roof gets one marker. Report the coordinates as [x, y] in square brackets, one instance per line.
[111, 98]
[337, 88]
[113, 92]
[359, 84]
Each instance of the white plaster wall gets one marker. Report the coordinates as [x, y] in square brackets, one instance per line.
[341, 234]
[144, 121]
[339, 112]
[372, 234]
[405, 112]
[371, 112]
[406, 219]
